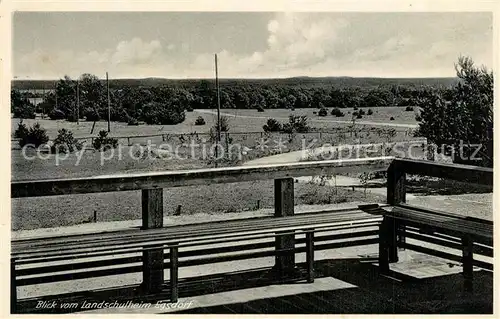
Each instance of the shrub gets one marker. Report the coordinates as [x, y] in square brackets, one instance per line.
[260, 109]
[359, 116]
[35, 136]
[323, 112]
[24, 112]
[57, 114]
[391, 119]
[361, 112]
[355, 108]
[409, 109]
[21, 130]
[370, 112]
[162, 114]
[296, 124]
[224, 124]
[199, 121]
[337, 112]
[272, 125]
[102, 142]
[65, 142]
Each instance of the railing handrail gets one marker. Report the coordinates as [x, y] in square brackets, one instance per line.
[165, 179]
[458, 172]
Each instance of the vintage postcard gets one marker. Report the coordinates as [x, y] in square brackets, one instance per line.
[249, 158]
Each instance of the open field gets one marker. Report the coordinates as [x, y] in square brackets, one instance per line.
[239, 121]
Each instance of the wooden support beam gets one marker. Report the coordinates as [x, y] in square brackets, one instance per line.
[174, 273]
[396, 194]
[152, 259]
[467, 261]
[310, 256]
[284, 206]
[152, 208]
[388, 252]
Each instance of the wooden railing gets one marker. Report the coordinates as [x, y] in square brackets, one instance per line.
[399, 168]
[151, 185]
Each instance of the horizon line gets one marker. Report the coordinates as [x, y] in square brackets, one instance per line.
[245, 78]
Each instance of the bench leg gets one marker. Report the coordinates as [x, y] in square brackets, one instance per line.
[13, 287]
[153, 270]
[467, 258]
[310, 256]
[388, 252]
[174, 273]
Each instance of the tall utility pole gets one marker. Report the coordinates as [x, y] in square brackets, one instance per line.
[218, 105]
[77, 102]
[55, 90]
[109, 104]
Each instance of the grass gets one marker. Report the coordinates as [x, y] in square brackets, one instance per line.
[54, 211]
[240, 121]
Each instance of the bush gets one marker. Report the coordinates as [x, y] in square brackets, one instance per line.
[272, 125]
[361, 112]
[296, 124]
[323, 112]
[370, 112]
[224, 124]
[35, 136]
[21, 130]
[103, 143]
[65, 142]
[409, 109]
[57, 114]
[260, 109]
[199, 121]
[24, 112]
[359, 116]
[162, 114]
[392, 118]
[337, 112]
[355, 108]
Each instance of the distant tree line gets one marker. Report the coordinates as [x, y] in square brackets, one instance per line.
[167, 104]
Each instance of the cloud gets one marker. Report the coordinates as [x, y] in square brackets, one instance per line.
[136, 51]
[126, 58]
[295, 44]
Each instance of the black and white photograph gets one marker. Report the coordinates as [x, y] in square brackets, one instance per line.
[312, 160]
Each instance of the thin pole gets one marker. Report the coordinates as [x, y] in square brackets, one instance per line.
[218, 105]
[56, 93]
[109, 104]
[77, 102]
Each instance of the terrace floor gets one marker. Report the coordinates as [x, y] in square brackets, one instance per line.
[347, 282]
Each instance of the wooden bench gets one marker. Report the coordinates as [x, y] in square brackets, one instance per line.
[154, 248]
[90, 256]
[470, 235]
[400, 220]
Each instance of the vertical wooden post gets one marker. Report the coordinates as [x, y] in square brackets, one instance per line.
[152, 259]
[128, 141]
[310, 255]
[284, 206]
[174, 273]
[13, 287]
[468, 257]
[396, 194]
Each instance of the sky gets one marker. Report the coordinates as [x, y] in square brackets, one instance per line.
[49, 45]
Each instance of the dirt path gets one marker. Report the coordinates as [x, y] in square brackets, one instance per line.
[315, 120]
